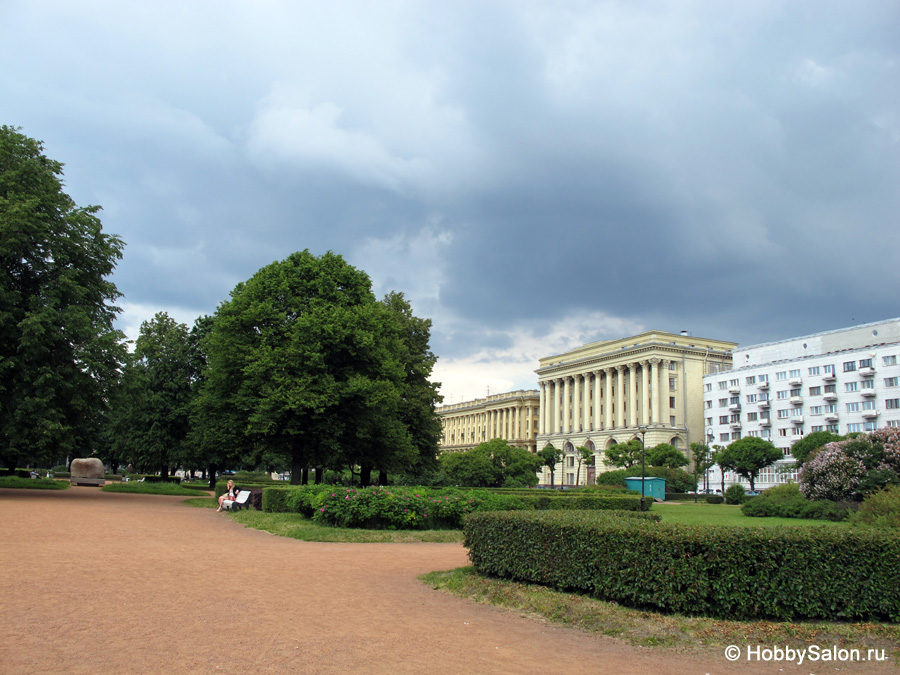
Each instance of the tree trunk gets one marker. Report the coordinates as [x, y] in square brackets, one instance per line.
[382, 477]
[320, 475]
[304, 476]
[213, 470]
[365, 475]
[298, 466]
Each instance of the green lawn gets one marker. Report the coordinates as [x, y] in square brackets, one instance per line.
[701, 513]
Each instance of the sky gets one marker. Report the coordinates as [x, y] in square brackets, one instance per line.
[532, 176]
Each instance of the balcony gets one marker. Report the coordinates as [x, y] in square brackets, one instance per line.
[868, 393]
[830, 396]
[796, 400]
[762, 385]
[764, 404]
[795, 381]
[867, 372]
[734, 390]
[831, 417]
[735, 425]
[765, 422]
[735, 407]
[828, 377]
[797, 420]
[870, 414]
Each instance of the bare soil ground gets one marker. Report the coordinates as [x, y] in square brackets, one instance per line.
[95, 582]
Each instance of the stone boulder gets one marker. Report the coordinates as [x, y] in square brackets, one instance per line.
[86, 471]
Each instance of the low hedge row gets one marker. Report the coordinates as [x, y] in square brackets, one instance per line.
[582, 502]
[724, 572]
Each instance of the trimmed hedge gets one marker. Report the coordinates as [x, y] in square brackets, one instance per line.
[723, 572]
[714, 499]
[582, 502]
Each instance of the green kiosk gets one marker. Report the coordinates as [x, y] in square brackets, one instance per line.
[654, 488]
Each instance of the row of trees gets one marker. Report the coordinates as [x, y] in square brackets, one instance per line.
[301, 367]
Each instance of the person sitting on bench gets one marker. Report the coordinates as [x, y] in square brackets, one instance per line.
[229, 495]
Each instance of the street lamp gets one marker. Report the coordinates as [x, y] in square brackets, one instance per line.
[643, 430]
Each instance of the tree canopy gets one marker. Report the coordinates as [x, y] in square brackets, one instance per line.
[748, 456]
[492, 464]
[59, 351]
[666, 455]
[802, 449]
[625, 455]
[303, 360]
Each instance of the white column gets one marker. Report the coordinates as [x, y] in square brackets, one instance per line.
[567, 393]
[597, 399]
[654, 382]
[607, 401]
[542, 408]
[620, 396]
[663, 388]
[632, 395]
[645, 399]
[576, 404]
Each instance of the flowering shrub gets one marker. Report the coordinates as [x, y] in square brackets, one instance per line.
[853, 468]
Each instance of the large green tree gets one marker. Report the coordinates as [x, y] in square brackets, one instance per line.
[666, 455]
[802, 449]
[492, 464]
[550, 456]
[59, 351]
[303, 360]
[624, 455]
[748, 456]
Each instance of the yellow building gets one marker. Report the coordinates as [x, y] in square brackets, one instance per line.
[609, 392]
[512, 416]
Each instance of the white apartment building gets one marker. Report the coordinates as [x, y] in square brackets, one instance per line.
[842, 381]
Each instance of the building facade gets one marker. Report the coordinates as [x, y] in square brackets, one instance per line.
[843, 381]
[512, 416]
[648, 387]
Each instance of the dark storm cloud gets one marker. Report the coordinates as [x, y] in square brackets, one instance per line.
[532, 175]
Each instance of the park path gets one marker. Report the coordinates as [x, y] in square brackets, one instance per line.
[96, 582]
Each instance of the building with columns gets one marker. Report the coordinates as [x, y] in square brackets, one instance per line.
[512, 416]
[607, 392]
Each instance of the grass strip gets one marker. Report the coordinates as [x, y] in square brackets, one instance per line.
[33, 483]
[137, 487]
[653, 629]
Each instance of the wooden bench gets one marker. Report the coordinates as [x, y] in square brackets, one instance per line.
[240, 501]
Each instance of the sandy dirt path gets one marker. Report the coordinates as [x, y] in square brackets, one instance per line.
[95, 582]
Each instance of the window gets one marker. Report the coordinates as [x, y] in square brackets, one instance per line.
[570, 461]
[867, 384]
[891, 381]
[751, 417]
[783, 394]
[849, 366]
[672, 421]
[735, 435]
[795, 392]
[724, 437]
[671, 401]
[709, 421]
[723, 384]
[763, 397]
[828, 370]
[766, 433]
[851, 386]
[830, 388]
[673, 365]
[781, 376]
[734, 400]
[723, 402]
[833, 428]
[764, 415]
[782, 432]
[751, 379]
[853, 407]
[815, 391]
[831, 408]
[723, 419]
[870, 426]
[733, 383]
[865, 363]
[815, 428]
[762, 378]
[754, 434]
[708, 404]
[796, 431]
[751, 398]
[853, 428]
[784, 414]
[815, 370]
[892, 403]
[671, 384]
[707, 386]
[894, 424]
[868, 405]
[736, 417]
[795, 373]
[817, 410]
[797, 412]
[889, 360]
